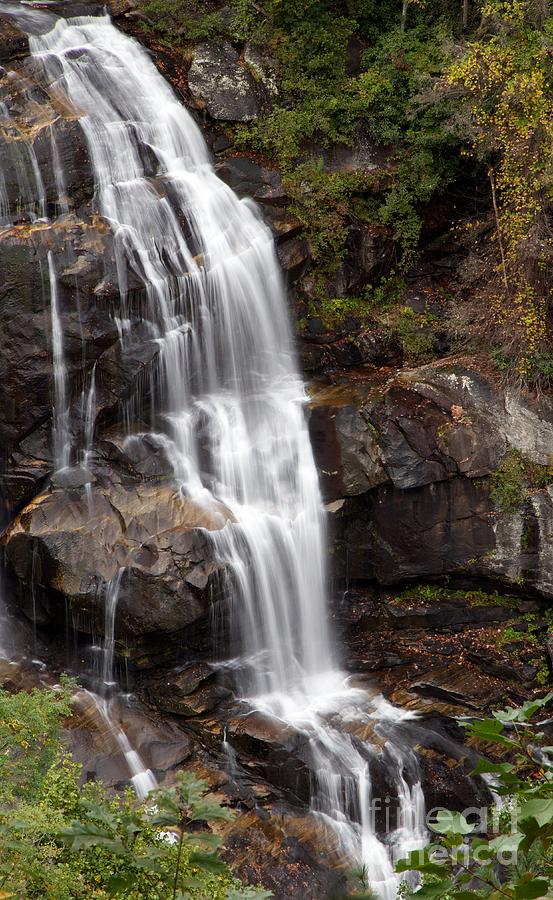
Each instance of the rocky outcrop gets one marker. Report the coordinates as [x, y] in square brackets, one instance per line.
[447, 651]
[220, 81]
[14, 42]
[92, 530]
[406, 460]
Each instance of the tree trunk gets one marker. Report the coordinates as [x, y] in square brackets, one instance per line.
[464, 13]
[498, 227]
[404, 14]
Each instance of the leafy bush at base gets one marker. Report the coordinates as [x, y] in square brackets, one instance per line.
[60, 840]
[517, 861]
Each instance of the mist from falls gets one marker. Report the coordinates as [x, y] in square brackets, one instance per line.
[228, 406]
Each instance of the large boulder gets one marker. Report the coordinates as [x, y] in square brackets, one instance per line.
[406, 461]
[93, 533]
[250, 179]
[220, 82]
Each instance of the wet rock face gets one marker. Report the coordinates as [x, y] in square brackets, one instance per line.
[393, 535]
[405, 461]
[73, 539]
[185, 691]
[47, 223]
[71, 533]
[43, 153]
[81, 254]
[13, 40]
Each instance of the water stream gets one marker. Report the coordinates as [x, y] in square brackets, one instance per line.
[61, 438]
[228, 403]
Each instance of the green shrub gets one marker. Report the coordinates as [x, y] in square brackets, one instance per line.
[63, 841]
[416, 334]
[460, 864]
[183, 20]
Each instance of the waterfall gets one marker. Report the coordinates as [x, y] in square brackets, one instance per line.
[88, 415]
[143, 779]
[229, 406]
[61, 438]
[58, 173]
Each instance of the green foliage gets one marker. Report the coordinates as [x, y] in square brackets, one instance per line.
[183, 20]
[434, 593]
[410, 111]
[525, 640]
[507, 89]
[450, 108]
[515, 479]
[319, 101]
[337, 314]
[321, 201]
[29, 738]
[63, 841]
[415, 332]
[462, 864]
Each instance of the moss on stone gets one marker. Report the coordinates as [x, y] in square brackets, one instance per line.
[515, 479]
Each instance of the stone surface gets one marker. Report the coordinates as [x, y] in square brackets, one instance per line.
[284, 852]
[250, 179]
[70, 542]
[82, 255]
[14, 43]
[39, 131]
[220, 83]
[161, 745]
[410, 454]
[187, 691]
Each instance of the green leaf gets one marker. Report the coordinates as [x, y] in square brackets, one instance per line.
[421, 861]
[202, 840]
[540, 810]
[8, 844]
[119, 883]
[150, 865]
[522, 713]
[489, 730]
[506, 843]
[487, 767]
[531, 832]
[208, 861]
[208, 810]
[529, 890]
[448, 822]
[82, 835]
[101, 814]
[167, 811]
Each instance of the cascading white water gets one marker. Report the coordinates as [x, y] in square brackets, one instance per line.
[143, 779]
[88, 416]
[31, 198]
[61, 437]
[216, 307]
[58, 173]
[228, 405]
